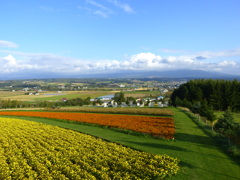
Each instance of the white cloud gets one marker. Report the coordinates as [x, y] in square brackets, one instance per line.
[227, 63]
[125, 7]
[7, 44]
[224, 53]
[11, 61]
[96, 4]
[97, 9]
[103, 9]
[10, 64]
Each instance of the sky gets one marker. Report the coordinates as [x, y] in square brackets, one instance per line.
[75, 37]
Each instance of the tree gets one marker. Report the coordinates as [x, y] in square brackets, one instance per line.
[127, 101]
[119, 97]
[187, 104]
[207, 112]
[87, 101]
[131, 100]
[99, 101]
[178, 102]
[196, 106]
[226, 126]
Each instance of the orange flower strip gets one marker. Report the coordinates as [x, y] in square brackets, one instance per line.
[156, 126]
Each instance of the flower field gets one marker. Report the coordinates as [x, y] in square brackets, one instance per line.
[156, 126]
[30, 150]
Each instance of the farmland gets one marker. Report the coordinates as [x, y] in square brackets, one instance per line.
[31, 150]
[152, 130]
[56, 89]
[56, 96]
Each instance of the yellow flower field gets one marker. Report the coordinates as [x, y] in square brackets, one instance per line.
[30, 150]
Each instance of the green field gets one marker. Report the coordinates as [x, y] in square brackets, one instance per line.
[53, 96]
[200, 156]
[141, 94]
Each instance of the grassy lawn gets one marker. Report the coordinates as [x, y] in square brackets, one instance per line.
[199, 155]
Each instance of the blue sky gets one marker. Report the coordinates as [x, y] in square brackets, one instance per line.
[101, 36]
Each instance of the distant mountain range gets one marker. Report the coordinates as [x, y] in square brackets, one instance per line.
[188, 74]
[176, 74]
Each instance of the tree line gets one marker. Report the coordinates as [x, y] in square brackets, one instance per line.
[8, 103]
[218, 95]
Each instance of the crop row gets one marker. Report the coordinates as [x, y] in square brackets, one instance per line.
[127, 110]
[30, 150]
[156, 126]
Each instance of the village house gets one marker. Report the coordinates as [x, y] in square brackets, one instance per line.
[64, 99]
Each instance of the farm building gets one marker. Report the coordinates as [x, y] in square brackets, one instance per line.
[160, 97]
[106, 98]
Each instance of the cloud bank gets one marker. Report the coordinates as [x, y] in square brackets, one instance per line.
[18, 62]
[22, 62]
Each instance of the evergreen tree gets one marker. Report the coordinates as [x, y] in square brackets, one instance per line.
[226, 126]
[207, 112]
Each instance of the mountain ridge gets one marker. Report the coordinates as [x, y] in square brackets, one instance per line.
[181, 73]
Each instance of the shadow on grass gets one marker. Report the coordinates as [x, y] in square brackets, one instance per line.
[185, 164]
[207, 142]
[223, 176]
[190, 166]
[203, 140]
[160, 146]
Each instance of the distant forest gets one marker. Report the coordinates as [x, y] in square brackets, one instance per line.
[218, 95]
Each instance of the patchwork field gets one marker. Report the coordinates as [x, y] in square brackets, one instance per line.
[31, 150]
